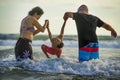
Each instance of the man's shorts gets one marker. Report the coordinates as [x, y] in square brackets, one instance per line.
[88, 52]
[52, 51]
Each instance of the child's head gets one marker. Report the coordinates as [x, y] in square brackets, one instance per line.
[60, 45]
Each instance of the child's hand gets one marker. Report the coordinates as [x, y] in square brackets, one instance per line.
[47, 26]
[47, 22]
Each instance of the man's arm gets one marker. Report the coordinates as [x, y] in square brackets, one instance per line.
[108, 27]
[68, 15]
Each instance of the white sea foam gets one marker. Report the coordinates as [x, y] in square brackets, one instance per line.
[94, 67]
[108, 64]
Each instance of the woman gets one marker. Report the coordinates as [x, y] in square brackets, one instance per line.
[29, 27]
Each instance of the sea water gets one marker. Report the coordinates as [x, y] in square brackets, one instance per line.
[65, 68]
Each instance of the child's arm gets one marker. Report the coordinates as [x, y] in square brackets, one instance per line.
[49, 33]
[65, 17]
[62, 30]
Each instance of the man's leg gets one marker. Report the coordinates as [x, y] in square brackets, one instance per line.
[95, 51]
[83, 55]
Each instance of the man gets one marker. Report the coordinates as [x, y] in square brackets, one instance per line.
[86, 28]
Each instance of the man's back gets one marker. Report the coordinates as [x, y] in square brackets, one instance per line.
[86, 27]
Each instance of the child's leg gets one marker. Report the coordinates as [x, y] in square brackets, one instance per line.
[42, 47]
[58, 56]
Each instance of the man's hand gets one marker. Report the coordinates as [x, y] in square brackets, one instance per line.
[113, 33]
[68, 15]
[65, 17]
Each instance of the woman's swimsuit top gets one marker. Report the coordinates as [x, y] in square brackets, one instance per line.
[24, 28]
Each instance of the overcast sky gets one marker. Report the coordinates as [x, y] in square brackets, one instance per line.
[13, 11]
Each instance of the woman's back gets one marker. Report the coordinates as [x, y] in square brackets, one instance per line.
[27, 28]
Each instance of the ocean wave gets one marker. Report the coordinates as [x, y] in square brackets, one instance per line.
[67, 43]
[94, 67]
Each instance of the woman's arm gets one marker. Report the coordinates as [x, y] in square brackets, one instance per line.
[39, 27]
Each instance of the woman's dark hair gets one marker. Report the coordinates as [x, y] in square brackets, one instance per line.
[60, 45]
[37, 10]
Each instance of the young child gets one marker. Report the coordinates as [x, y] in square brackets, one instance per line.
[56, 42]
